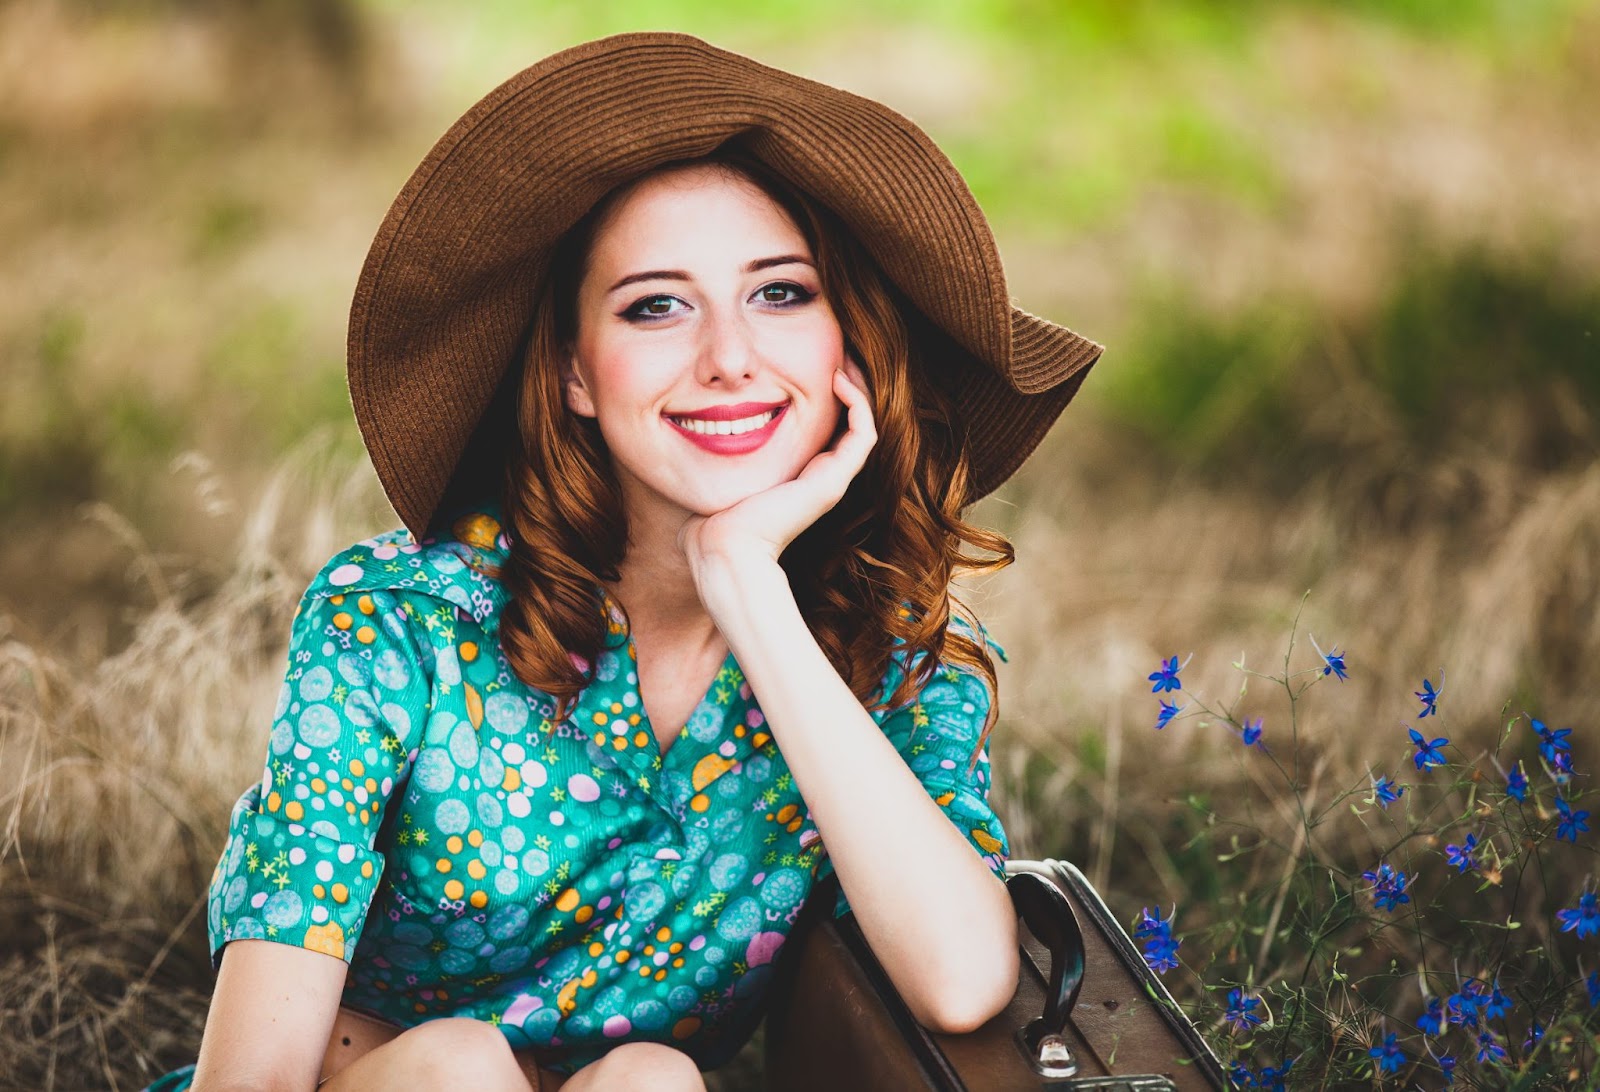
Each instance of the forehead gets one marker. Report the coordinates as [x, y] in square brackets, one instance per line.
[695, 209]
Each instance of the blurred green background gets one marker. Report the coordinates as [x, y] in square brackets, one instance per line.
[1345, 258]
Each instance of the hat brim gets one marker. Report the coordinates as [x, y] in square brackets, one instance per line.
[445, 297]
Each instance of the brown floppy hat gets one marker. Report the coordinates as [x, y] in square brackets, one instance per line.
[445, 299]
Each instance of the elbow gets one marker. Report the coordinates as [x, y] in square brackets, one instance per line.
[979, 998]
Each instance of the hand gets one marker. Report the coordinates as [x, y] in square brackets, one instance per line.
[763, 524]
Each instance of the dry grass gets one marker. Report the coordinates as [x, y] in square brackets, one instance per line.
[136, 681]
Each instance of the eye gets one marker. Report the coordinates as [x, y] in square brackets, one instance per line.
[801, 295]
[645, 308]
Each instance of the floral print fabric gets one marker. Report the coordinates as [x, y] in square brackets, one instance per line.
[420, 817]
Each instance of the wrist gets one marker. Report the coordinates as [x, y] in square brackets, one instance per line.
[729, 581]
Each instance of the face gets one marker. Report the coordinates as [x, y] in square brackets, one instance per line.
[701, 303]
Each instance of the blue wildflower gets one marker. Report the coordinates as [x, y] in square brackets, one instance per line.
[1162, 954]
[1562, 765]
[1497, 1004]
[1432, 1021]
[1592, 984]
[1462, 1007]
[1489, 1049]
[1335, 662]
[1167, 677]
[1241, 1010]
[1239, 1075]
[1386, 791]
[1160, 950]
[1388, 887]
[1585, 920]
[1535, 1034]
[1461, 856]
[1390, 1056]
[1427, 753]
[1272, 1078]
[1517, 783]
[1429, 696]
[1447, 1066]
[1251, 733]
[1551, 743]
[1168, 711]
[1572, 822]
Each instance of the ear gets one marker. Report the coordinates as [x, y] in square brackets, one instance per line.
[575, 391]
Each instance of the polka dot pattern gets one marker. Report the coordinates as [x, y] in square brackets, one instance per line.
[422, 817]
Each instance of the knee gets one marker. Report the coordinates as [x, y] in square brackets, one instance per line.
[649, 1067]
[460, 1052]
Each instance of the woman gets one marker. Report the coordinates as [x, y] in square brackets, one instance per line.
[524, 821]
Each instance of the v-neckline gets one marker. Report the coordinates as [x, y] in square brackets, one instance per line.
[631, 651]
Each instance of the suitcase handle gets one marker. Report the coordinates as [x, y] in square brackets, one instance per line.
[1049, 917]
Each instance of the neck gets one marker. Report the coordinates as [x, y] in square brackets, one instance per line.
[657, 589]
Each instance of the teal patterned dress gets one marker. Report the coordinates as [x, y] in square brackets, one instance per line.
[420, 817]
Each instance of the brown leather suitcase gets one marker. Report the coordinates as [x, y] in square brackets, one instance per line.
[1088, 1013]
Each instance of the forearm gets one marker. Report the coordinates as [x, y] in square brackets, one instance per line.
[943, 929]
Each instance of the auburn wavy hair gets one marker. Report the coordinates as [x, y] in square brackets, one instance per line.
[892, 542]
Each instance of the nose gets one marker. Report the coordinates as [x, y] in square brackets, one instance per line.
[728, 356]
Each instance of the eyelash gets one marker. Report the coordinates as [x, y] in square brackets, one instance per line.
[633, 313]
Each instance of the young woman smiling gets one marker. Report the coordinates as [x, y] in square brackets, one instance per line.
[668, 633]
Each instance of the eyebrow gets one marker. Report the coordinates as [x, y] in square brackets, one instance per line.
[680, 275]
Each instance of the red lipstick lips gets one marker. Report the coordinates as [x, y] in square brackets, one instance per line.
[730, 443]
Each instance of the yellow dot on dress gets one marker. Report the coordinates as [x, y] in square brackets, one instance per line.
[624, 955]
[616, 707]
[474, 838]
[366, 870]
[599, 718]
[469, 651]
[366, 635]
[319, 891]
[476, 870]
[633, 719]
[341, 893]
[336, 599]
[584, 914]
[664, 933]
[479, 899]
[699, 801]
[511, 783]
[453, 889]
[619, 743]
[294, 811]
[568, 900]
[274, 801]
[640, 739]
[443, 864]
[318, 785]
[453, 843]
[343, 620]
[357, 767]
[364, 604]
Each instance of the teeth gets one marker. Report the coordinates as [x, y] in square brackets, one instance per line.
[724, 428]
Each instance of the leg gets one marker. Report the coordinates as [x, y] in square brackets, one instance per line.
[639, 1067]
[440, 1054]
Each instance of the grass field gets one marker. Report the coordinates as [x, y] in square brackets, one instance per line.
[1346, 259]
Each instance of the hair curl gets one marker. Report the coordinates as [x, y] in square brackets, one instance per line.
[892, 542]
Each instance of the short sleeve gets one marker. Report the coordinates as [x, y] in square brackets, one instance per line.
[299, 864]
[936, 735]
